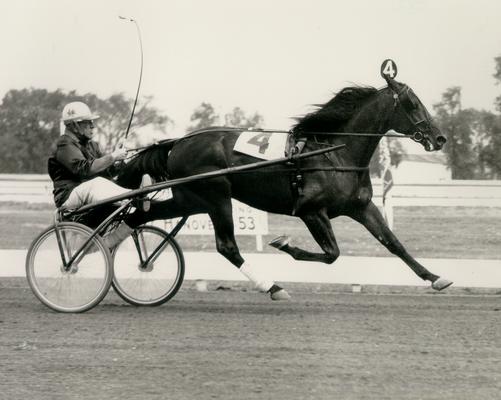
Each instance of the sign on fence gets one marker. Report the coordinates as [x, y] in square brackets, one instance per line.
[247, 221]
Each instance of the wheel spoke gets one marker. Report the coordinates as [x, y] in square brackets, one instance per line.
[155, 283]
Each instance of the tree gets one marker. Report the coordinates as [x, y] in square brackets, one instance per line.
[205, 116]
[455, 123]
[473, 145]
[497, 76]
[473, 138]
[115, 114]
[488, 145]
[238, 119]
[492, 152]
[30, 123]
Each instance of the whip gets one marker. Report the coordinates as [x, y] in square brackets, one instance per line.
[140, 72]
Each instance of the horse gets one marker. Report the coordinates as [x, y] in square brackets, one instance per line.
[332, 185]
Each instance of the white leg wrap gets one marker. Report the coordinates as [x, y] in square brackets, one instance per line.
[262, 283]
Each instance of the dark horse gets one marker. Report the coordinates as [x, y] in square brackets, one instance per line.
[333, 184]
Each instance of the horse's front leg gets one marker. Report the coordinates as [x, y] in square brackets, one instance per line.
[371, 218]
[320, 227]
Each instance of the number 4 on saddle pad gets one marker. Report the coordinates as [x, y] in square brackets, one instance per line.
[263, 145]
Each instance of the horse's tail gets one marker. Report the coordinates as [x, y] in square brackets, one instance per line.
[151, 159]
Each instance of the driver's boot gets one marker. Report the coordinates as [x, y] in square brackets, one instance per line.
[145, 202]
[117, 236]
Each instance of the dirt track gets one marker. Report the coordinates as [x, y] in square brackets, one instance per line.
[239, 345]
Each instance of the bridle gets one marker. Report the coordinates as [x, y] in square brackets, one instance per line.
[410, 105]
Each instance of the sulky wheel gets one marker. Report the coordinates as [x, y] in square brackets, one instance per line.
[69, 288]
[152, 283]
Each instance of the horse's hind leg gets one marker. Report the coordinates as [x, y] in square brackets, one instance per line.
[222, 219]
[321, 229]
[371, 218]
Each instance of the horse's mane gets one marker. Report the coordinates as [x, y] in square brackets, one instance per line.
[338, 110]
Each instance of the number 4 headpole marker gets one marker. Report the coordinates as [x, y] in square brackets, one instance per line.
[389, 69]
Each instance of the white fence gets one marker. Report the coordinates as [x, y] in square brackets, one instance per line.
[30, 188]
[38, 189]
[446, 193]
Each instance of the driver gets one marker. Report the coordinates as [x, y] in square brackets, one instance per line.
[81, 173]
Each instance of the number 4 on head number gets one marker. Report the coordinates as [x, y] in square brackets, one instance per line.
[261, 140]
[389, 69]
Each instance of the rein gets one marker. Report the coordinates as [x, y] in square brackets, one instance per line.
[416, 136]
[397, 135]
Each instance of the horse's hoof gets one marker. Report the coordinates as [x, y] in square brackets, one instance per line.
[441, 284]
[280, 295]
[280, 242]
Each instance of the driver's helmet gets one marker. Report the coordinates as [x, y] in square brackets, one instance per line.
[77, 112]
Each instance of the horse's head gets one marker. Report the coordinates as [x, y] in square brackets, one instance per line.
[411, 117]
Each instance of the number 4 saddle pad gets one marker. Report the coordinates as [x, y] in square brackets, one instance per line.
[263, 145]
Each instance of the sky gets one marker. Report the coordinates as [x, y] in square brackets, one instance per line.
[274, 57]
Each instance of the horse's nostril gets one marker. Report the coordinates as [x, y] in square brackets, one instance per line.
[441, 140]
